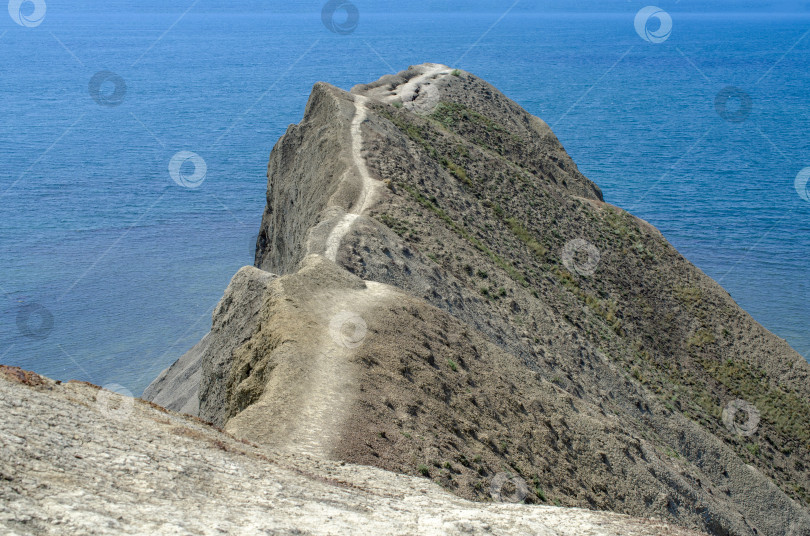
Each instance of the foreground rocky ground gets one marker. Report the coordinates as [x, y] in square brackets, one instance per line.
[75, 459]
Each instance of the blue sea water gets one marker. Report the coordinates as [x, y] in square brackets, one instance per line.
[109, 270]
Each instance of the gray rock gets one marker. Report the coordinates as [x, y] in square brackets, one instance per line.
[93, 463]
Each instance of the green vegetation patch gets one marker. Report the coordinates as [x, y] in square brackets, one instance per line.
[458, 229]
[450, 114]
[607, 309]
[621, 225]
[398, 226]
[456, 170]
[691, 296]
[525, 236]
[701, 338]
[415, 133]
[787, 412]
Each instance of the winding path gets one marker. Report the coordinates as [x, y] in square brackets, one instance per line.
[330, 389]
[331, 385]
[416, 94]
[420, 88]
[366, 196]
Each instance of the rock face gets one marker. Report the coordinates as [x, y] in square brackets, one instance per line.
[95, 463]
[179, 387]
[452, 298]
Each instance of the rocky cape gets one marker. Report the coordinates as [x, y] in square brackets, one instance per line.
[439, 293]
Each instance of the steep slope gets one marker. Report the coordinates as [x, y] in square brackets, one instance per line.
[501, 316]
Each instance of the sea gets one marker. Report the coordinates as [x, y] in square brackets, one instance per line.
[134, 139]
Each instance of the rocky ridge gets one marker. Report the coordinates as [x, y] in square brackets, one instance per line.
[438, 291]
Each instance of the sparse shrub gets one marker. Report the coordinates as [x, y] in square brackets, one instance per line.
[525, 236]
[457, 171]
[537, 489]
[423, 469]
[691, 296]
[701, 338]
[398, 226]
